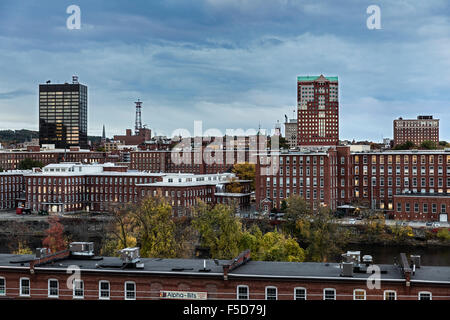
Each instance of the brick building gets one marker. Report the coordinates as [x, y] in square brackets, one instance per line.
[424, 128]
[12, 187]
[140, 137]
[10, 159]
[335, 176]
[75, 187]
[318, 111]
[131, 277]
[183, 191]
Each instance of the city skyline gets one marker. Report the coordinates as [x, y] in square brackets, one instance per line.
[224, 62]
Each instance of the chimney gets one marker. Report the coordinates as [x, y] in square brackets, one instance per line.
[347, 269]
[415, 260]
[226, 268]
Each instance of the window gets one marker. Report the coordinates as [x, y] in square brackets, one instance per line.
[299, 294]
[130, 290]
[242, 293]
[103, 290]
[329, 294]
[390, 295]
[424, 295]
[53, 287]
[78, 289]
[2, 287]
[359, 294]
[271, 293]
[24, 287]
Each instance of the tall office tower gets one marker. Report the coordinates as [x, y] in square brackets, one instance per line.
[425, 128]
[63, 114]
[318, 111]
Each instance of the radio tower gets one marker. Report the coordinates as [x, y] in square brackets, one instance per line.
[138, 124]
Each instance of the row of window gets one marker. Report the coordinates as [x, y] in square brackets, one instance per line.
[300, 293]
[242, 291]
[104, 289]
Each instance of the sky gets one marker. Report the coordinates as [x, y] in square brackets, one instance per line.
[231, 64]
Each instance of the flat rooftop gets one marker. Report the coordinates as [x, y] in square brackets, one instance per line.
[251, 269]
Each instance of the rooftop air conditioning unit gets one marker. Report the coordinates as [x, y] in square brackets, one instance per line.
[347, 269]
[82, 249]
[42, 252]
[415, 260]
[130, 255]
[367, 260]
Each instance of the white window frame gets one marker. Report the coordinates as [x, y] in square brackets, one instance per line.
[74, 286]
[29, 287]
[300, 288]
[49, 289]
[425, 292]
[389, 291]
[237, 292]
[4, 281]
[100, 290]
[332, 289]
[354, 294]
[126, 292]
[276, 291]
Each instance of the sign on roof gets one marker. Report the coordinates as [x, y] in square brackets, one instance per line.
[184, 295]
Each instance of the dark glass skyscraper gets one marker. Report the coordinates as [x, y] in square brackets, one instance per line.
[63, 114]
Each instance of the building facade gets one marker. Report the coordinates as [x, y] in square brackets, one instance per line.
[131, 277]
[290, 132]
[424, 128]
[337, 176]
[63, 114]
[318, 111]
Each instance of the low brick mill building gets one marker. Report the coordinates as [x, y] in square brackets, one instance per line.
[77, 273]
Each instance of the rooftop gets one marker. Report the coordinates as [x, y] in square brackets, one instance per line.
[313, 78]
[258, 269]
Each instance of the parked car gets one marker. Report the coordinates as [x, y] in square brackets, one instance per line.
[436, 224]
[352, 221]
[429, 224]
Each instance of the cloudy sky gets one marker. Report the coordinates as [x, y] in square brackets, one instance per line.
[229, 63]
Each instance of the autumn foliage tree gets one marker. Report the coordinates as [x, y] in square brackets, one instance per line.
[54, 239]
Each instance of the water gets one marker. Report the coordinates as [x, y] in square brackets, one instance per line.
[430, 255]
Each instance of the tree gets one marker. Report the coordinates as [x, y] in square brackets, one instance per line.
[405, 146]
[22, 249]
[219, 230]
[155, 228]
[428, 145]
[245, 171]
[321, 236]
[55, 235]
[234, 186]
[28, 164]
[297, 208]
[149, 226]
[400, 233]
[443, 234]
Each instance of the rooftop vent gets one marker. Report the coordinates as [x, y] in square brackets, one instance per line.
[367, 260]
[42, 252]
[131, 256]
[82, 249]
[352, 256]
[415, 260]
[347, 269]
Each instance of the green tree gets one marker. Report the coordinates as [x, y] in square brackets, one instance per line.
[297, 208]
[321, 235]
[155, 228]
[149, 225]
[28, 164]
[245, 171]
[443, 234]
[400, 233]
[219, 229]
[405, 146]
[22, 248]
[429, 145]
